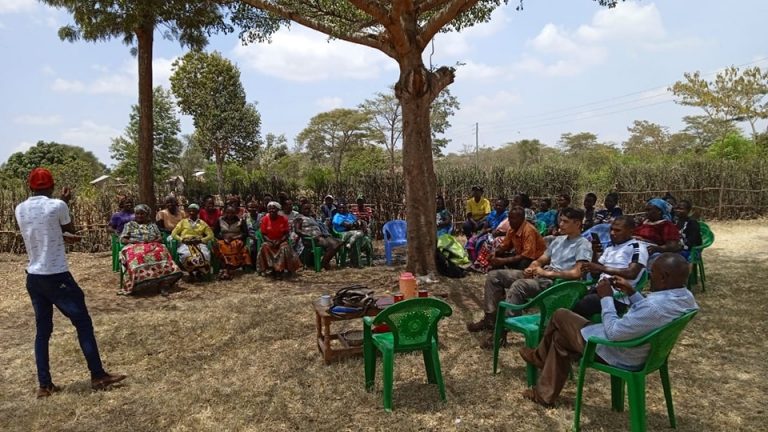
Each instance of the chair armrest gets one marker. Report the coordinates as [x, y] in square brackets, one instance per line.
[513, 307]
[367, 321]
[631, 343]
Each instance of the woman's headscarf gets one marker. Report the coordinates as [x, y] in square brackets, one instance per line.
[141, 207]
[663, 206]
[274, 204]
[194, 206]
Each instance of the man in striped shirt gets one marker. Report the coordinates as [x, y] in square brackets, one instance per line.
[565, 337]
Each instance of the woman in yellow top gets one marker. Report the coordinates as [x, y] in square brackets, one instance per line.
[477, 210]
[194, 235]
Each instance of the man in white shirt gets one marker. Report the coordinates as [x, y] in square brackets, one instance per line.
[624, 257]
[565, 337]
[45, 224]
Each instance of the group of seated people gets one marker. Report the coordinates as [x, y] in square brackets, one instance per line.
[526, 262]
[267, 234]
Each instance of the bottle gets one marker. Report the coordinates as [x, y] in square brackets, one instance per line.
[408, 285]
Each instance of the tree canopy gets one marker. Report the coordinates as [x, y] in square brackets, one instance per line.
[227, 127]
[167, 145]
[51, 154]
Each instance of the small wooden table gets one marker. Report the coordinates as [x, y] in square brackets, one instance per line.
[324, 336]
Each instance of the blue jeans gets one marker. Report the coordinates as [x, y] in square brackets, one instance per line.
[61, 290]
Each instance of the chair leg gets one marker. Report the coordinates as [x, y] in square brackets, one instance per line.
[579, 395]
[617, 394]
[530, 370]
[317, 254]
[636, 390]
[388, 368]
[369, 358]
[388, 253]
[429, 366]
[497, 331]
[702, 276]
[664, 372]
[438, 371]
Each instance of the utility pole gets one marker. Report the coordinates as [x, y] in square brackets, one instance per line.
[477, 143]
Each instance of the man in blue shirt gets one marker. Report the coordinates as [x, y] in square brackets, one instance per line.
[565, 335]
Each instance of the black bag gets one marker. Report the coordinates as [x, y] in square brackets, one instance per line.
[447, 268]
[354, 296]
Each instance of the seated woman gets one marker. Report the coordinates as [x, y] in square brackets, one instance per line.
[193, 235]
[351, 231]
[209, 213]
[307, 226]
[276, 254]
[444, 218]
[657, 229]
[547, 214]
[477, 210]
[170, 216]
[489, 226]
[234, 201]
[146, 260]
[123, 216]
[230, 232]
[253, 226]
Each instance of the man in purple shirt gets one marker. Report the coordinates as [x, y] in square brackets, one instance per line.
[566, 334]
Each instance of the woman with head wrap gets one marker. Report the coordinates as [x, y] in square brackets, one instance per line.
[193, 235]
[146, 260]
[276, 254]
[125, 215]
[658, 230]
[231, 232]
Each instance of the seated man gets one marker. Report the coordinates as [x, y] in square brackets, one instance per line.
[611, 210]
[521, 244]
[547, 214]
[563, 259]
[625, 257]
[307, 226]
[566, 334]
[477, 210]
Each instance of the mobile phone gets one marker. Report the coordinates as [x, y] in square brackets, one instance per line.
[595, 237]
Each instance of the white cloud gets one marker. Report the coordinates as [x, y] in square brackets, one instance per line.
[452, 45]
[303, 55]
[488, 108]
[11, 6]
[329, 103]
[91, 136]
[38, 120]
[122, 81]
[47, 70]
[479, 71]
[557, 51]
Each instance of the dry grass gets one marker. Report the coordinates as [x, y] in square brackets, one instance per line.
[240, 355]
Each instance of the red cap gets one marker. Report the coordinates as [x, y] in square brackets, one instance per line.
[40, 179]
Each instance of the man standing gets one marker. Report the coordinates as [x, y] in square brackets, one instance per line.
[44, 222]
[563, 259]
[565, 335]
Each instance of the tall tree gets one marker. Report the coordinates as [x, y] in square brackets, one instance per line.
[386, 118]
[331, 136]
[401, 29]
[207, 87]
[732, 96]
[707, 131]
[52, 155]
[135, 22]
[574, 143]
[167, 145]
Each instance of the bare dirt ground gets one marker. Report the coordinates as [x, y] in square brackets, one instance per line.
[240, 355]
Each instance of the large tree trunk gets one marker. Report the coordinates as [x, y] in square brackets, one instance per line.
[220, 174]
[144, 35]
[413, 91]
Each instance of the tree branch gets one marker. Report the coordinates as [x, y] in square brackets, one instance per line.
[429, 5]
[443, 77]
[370, 40]
[373, 9]
[439, 20]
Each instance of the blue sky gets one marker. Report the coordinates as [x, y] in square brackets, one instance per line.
[558, 66]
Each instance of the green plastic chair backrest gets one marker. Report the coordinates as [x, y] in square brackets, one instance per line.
[707, 236]
[541, 227]
[413, 322]
[642, 282]
[564, 294]
[663, 339]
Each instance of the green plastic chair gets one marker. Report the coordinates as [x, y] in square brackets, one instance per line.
[413, 327]
[173, 248]
[116, 246]
[563, 294]
[312, 254]
[356, 249]
[707, 238]
[661, 340]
